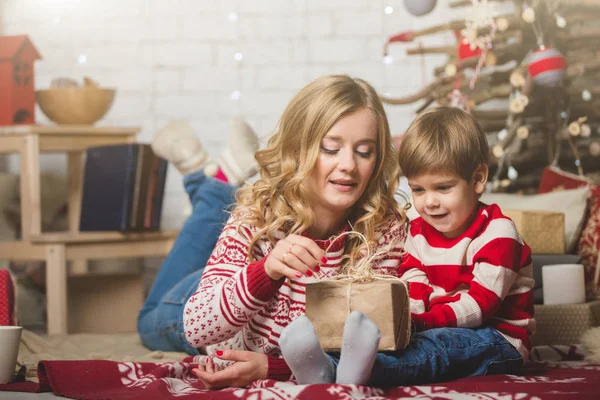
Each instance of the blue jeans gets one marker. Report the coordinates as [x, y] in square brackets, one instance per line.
[445, 354]
[160, 322]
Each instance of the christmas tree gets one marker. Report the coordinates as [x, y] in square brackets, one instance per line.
[529, 78]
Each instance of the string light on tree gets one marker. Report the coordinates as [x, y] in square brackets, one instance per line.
[586, 95]
[502, 24]
[523, 132]
[528, 14]
[498, 151]
[586, 131]
[574, 129]
[517, 79]
[502, 134]
[451, 70]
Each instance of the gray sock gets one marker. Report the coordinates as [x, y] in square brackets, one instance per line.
[301, 350]
[359, 350]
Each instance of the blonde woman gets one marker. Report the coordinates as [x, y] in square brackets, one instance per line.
[329, 168]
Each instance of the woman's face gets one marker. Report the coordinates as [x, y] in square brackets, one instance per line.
[346, 161]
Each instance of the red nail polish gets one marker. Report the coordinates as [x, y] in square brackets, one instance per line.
[298, 275]
[324, 260]
[317, 269]
[219, 353]
[309, 273]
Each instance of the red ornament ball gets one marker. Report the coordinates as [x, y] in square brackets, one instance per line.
[547, 67]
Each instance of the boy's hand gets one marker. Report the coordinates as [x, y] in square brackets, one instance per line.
[248, 367]
[294, 257]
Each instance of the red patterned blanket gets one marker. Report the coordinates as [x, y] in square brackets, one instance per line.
[94, 380]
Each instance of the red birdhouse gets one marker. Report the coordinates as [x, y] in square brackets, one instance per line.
[17, 90]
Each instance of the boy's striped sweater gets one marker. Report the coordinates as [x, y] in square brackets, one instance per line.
[483, 277]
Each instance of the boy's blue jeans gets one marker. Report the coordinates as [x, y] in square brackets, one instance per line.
[444, 354]
[432, 356]
[160, 322]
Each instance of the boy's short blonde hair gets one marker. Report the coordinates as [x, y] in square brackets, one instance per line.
[443, 139]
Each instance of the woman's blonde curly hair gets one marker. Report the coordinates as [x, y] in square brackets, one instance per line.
[277, 201]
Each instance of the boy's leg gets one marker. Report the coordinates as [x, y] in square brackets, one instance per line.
[438, 355]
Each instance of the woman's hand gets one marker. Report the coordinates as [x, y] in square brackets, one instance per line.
[293, 257]
[248, 367]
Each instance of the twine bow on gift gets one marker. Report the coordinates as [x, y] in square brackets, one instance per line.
[362, 271]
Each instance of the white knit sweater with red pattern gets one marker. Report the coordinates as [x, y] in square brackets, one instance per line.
[238, 306]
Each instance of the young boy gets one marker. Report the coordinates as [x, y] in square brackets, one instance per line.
[469, 272]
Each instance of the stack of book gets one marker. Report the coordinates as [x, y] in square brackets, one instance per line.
[123, 188]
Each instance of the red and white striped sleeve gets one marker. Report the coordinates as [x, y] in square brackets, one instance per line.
[412, 271]
[231, 290]
[497, 256]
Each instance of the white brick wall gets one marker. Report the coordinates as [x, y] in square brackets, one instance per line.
[175, 58]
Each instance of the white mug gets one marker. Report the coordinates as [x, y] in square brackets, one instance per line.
[563, 284]
[10, 339]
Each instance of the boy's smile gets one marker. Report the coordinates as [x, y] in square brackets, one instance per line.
[447, 201]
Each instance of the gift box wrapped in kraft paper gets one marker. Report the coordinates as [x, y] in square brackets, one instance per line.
[543, 231]
[385, 301]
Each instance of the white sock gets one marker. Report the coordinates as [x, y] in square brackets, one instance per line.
[303, 354]
[178, 144]
[359, 350]
[237, 161]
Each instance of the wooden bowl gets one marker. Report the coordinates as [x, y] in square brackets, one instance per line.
[75, 105]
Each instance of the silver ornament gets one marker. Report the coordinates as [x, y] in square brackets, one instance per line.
[419, 7]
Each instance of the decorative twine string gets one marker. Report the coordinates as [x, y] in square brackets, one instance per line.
[362, 271]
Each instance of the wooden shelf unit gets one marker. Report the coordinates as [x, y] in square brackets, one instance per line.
[74, 246]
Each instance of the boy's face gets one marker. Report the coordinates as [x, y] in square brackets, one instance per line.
[447, 201]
